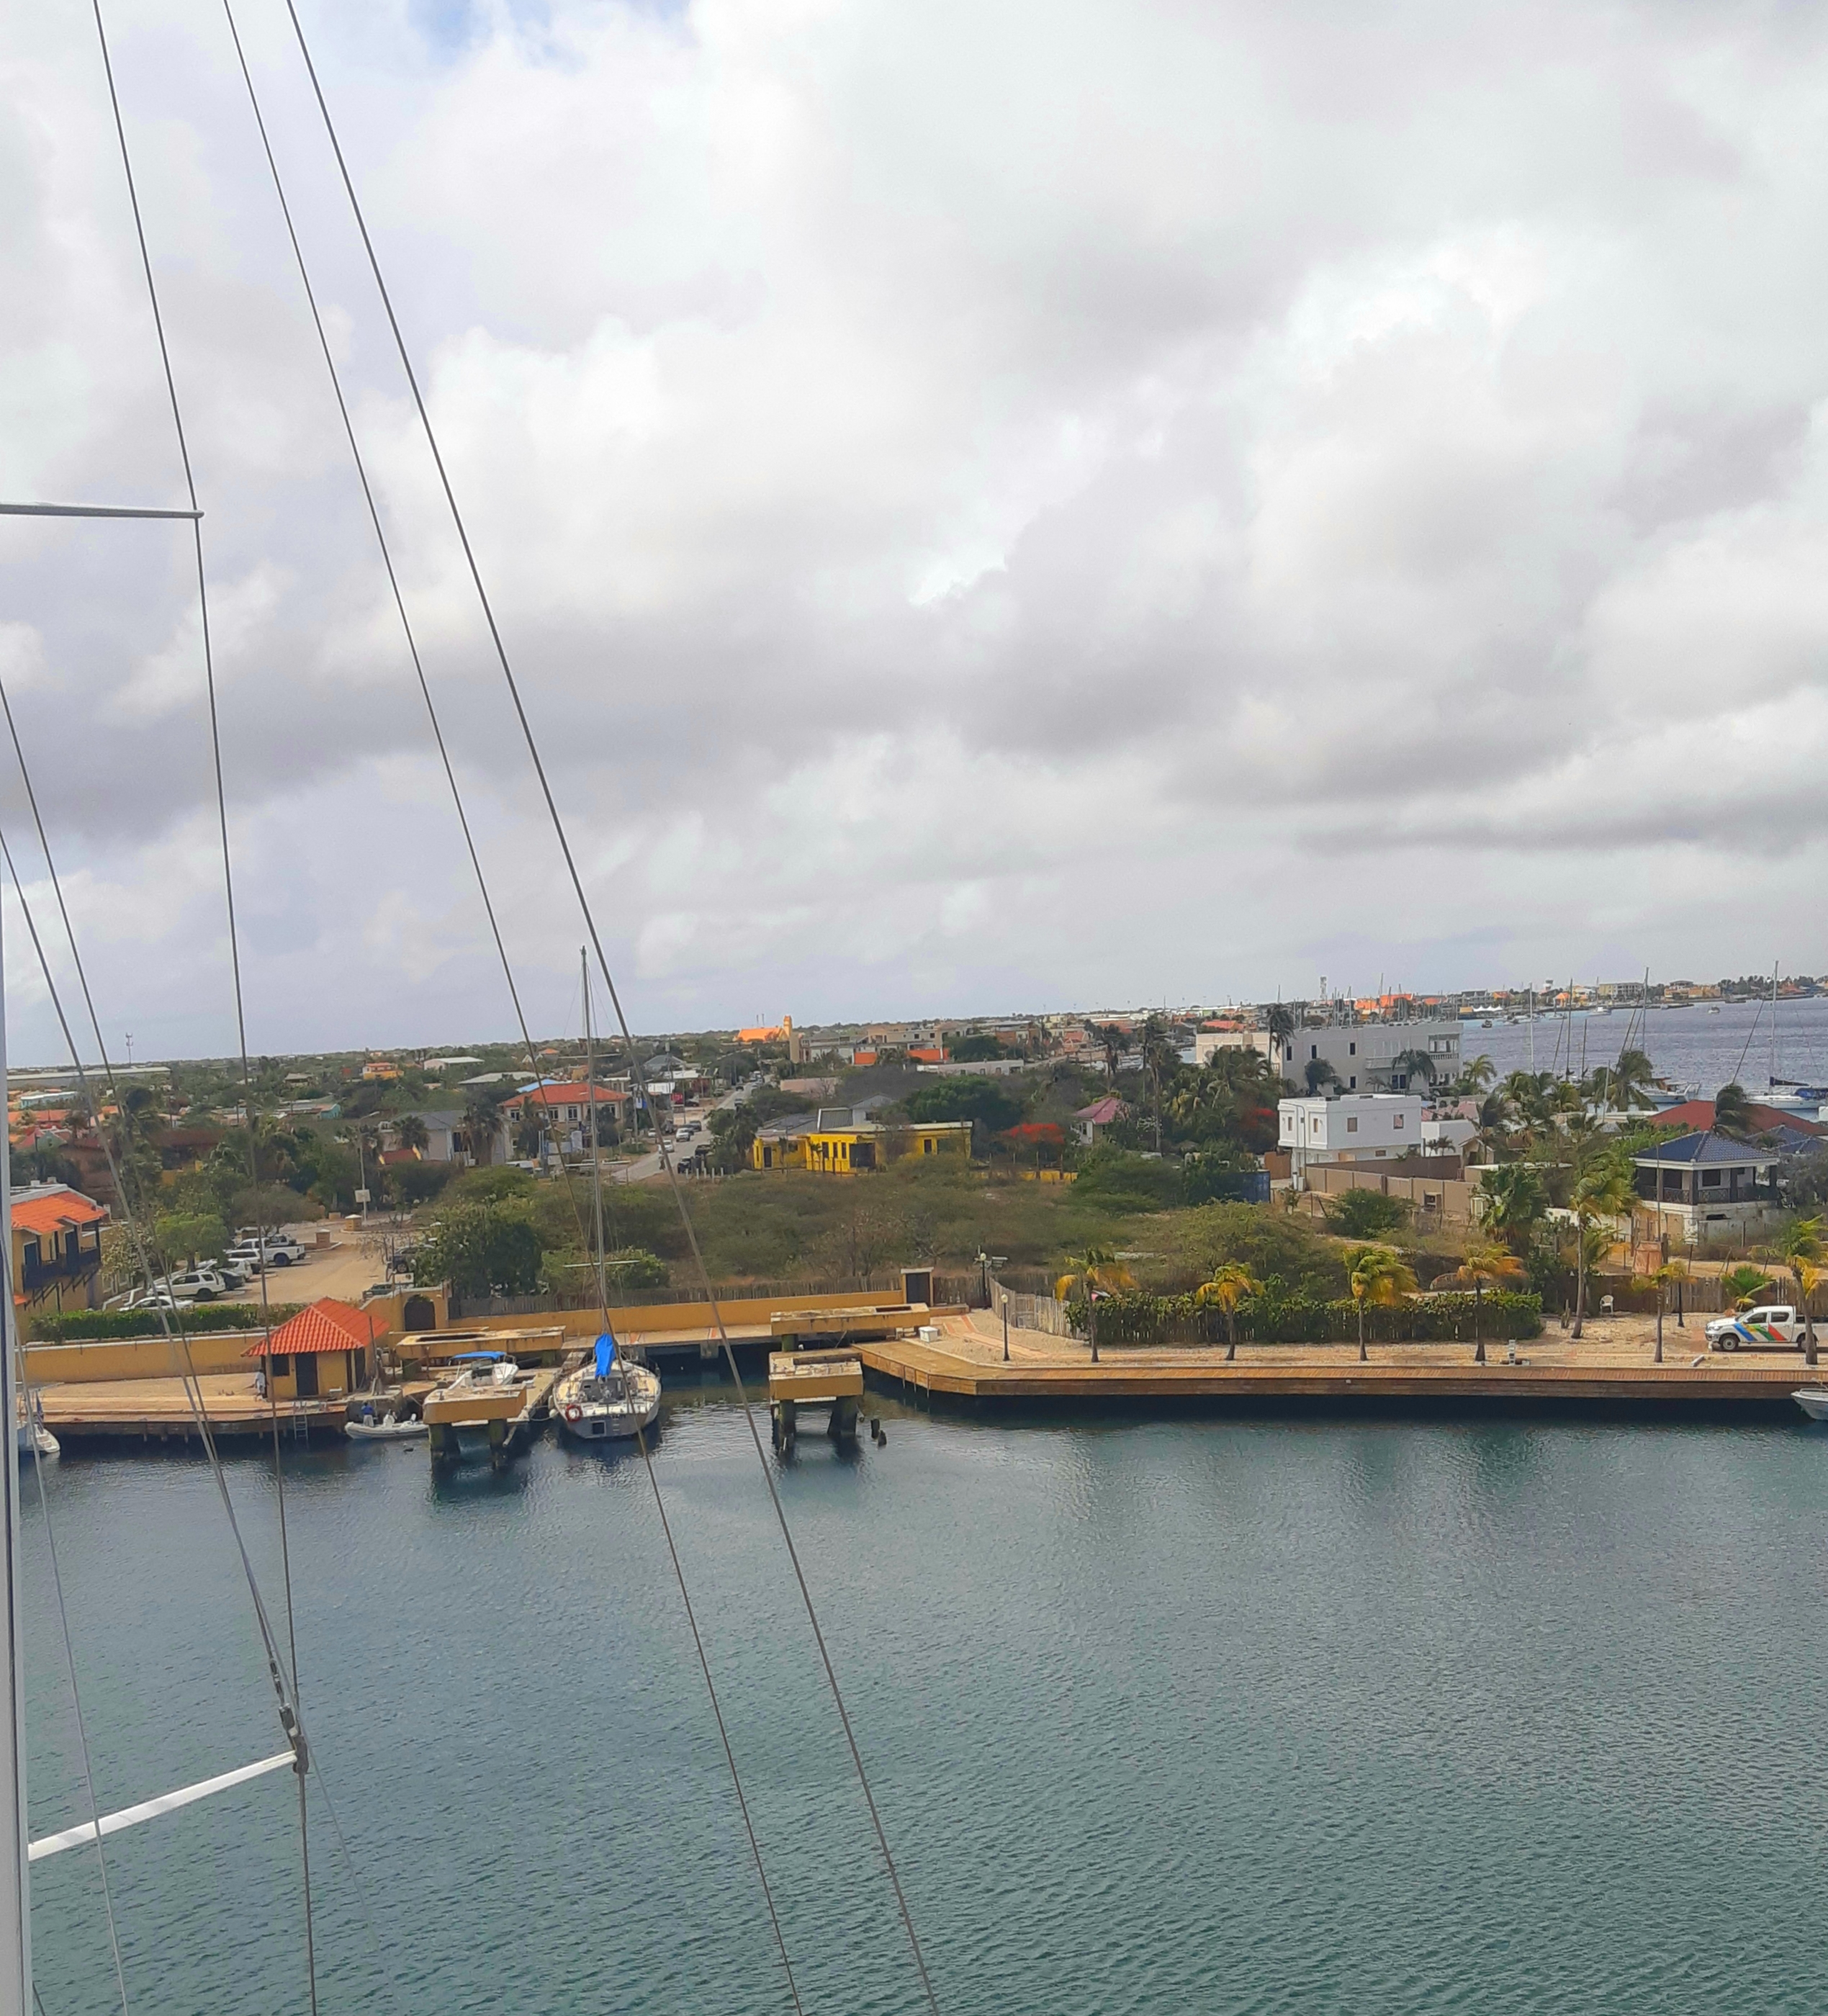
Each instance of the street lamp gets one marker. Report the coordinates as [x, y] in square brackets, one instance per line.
[1005, 1329]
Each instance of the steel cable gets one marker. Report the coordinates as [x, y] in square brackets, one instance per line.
[609, 981]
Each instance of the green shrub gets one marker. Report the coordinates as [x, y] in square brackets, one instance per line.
[1118, 1180]
[1278, 1316]
[89, 1325]
[1364, 1214]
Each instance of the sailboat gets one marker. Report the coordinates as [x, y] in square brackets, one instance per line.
[607, 1396]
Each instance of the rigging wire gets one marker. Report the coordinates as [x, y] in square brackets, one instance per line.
[82, 1733]
[507, 975]
[234, 940]
[638, 1069]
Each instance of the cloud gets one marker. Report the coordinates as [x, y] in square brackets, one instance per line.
[1080, 503]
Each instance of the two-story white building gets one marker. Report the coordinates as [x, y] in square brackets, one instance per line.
[1370, 1056]
[1363, 1125]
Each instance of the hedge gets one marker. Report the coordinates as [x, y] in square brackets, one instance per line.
[88, 1326]
[1137, 1318]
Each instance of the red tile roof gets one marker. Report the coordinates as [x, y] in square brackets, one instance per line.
[1698, 1113]
[56, 1212]
[566, 1095]
[1102, 1112]
[328, 1325]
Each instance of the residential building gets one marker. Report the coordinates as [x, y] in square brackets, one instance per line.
[1372, 1057]
[56, 1247]
[842, 1140]
[1354, 1127]
[1788, 1130]
[1091, 1123]
[447, 1136]
[564, 1113]
[1703, 1186]
[323, 1349]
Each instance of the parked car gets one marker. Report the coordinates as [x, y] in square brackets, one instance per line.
[196, 1284]
[153, 1299]
[1772, 1326]
[278, 1249]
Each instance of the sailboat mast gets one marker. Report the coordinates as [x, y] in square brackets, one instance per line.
[596, 1167]
[1772, 1079]
[16, 1915]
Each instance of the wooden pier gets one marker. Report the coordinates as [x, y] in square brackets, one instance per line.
[159, 1410]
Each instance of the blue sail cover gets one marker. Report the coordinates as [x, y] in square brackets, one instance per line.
[606, 1353]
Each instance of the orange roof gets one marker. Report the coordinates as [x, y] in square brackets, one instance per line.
[56, 1212]
[327, 1325]
[566, 1095]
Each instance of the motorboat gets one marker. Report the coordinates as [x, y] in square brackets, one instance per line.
[1813, 1400]
[34, 1438]
[608, 1395]
[394, 1428]
[482, 1407]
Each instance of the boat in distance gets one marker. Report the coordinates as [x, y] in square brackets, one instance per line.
[1813, 1400]
[607, 1396]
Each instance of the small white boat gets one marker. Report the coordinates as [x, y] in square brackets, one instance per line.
[488, 1390]
[34, 1438]
[1813, 1400]
[390, 1429]
[606, 1396]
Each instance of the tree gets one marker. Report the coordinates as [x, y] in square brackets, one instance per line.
[978, 1048]
[481, 1249]
[1632, 1077]
[1380, 1277]
[410, 1131]
[1802, 1250]
[1602, 1190]
[1515, 1200]
[1491, 1126]
[983, 1100]
[1671, 1274]
[1280, 1023]
[189, 1236]
[1113, 1043]
[1161, 1064]
[1744, 1284]
[1486, 1262]
[1231, 1282]
[480, 1122]
[1733, 1113]
[1365, 1214]
[1319, 1074]
[530, 1134]
[1476, 1076]
[1407, 1064]
[1095, 1272]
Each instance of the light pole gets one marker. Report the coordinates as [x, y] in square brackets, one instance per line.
[1005, 1329]
[1091, 1318]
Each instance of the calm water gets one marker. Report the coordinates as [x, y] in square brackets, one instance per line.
[1687, 1046]
[1183, 1717]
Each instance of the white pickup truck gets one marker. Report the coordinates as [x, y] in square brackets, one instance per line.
[1771, 1326]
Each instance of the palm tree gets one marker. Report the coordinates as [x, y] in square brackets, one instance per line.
[1378, 1276]
[1602, 1190]
[1113, 1042]
[1493, 1125]
[1743, 1284]
[1733, 1113]
[1515, 1201]
[1671, 1274]
[1476, 1076]
[410, 1131]
[1231, 1284]
[1095, 1272]
[1280, 1023]
[1407, 1064]
[1632, 1077]
[1802, 1249]
[1486, 1260]
[479, 1124]
[1319, 1074]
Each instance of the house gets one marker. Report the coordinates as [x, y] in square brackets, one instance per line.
[1702, 1186]
[842, 1140]
[1090, 1121]
[56, 1247]
[564, 1112]
[1375, 1056]
[1354, 1127]
[1780, 1127]
[446, 1137]
[324, 1349]
[380, 1067]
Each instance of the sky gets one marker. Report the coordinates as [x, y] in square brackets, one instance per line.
[989, 509]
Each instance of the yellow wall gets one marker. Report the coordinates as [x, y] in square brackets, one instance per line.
[831, 1151]
[136, 1358]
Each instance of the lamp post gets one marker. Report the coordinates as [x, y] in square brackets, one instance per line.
[1005, 1329]
[1091, 1318]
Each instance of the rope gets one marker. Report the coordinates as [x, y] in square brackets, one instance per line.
[507, 973]
[638, 1070]
[82, 1734]
[234, 945]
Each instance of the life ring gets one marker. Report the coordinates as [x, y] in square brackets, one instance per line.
[574, 1413]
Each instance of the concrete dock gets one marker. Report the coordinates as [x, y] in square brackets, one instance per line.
[159, 1410]
[1612, 1368]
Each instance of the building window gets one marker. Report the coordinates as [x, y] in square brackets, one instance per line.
[1352, 1125]
[281, 1364]
[1313, 1050]
[1352, 1051]
[1351, 1084]
[1397, 1123]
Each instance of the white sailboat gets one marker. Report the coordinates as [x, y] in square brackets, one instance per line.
[607, 1397]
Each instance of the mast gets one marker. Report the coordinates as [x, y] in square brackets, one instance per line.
[16, 1914]
[596, 1167]
[1772, 1079]
[1532, 1029]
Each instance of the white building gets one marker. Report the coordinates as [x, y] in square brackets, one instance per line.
[1367, 1125]
[1368, 1057]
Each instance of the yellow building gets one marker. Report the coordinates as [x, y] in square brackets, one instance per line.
[324, 1350]
[840, 1141]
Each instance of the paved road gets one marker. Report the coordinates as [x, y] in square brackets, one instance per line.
[644, 1166]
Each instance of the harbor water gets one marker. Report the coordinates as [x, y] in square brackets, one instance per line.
[1165, 1717]
[1702, 1046]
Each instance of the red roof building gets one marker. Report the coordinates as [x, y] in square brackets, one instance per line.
[328, 1325]
[1697, 1116]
